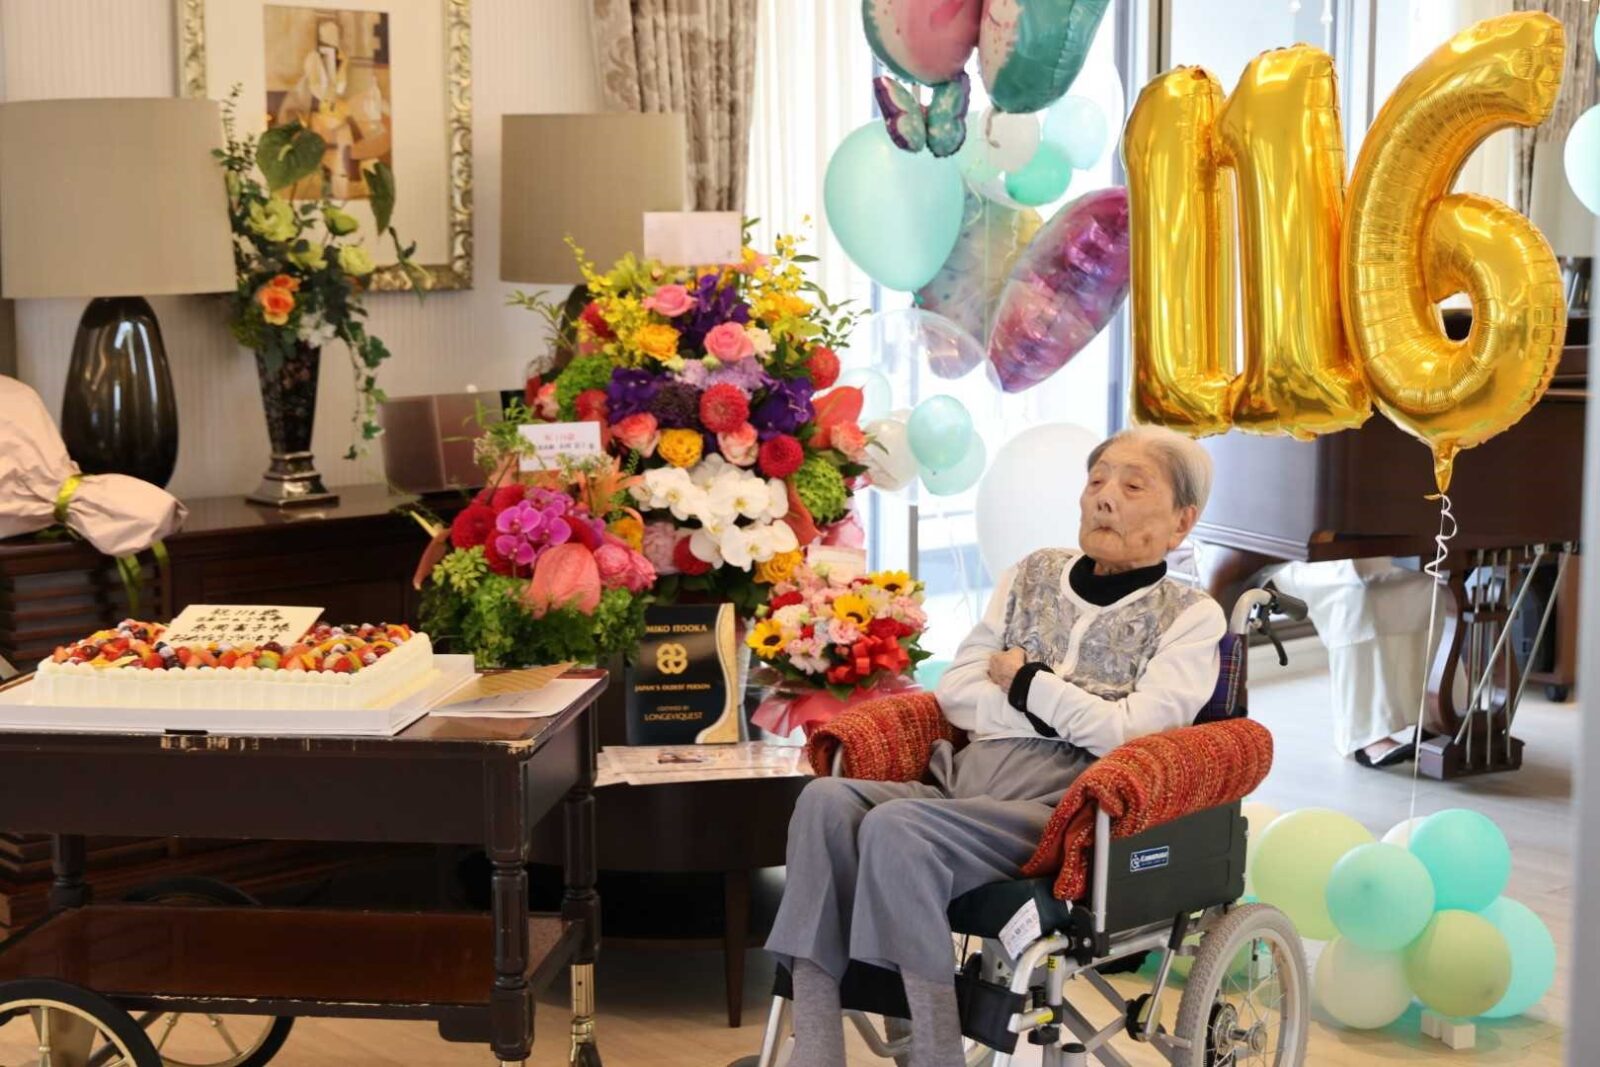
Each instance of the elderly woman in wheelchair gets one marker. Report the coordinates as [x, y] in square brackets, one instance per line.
[1078, 654]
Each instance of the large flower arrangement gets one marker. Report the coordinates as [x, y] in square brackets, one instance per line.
[300, 264]
[541, 567]
[718, 386]
[825, 642]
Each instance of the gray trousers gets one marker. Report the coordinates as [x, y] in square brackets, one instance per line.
[872, 866]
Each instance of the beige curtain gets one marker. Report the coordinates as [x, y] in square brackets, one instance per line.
[1541, 146]
[694, 57]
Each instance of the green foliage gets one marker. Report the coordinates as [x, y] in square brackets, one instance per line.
[483, 614]
[380, 188]
[287, 154]
[821, 489]
[581, 375]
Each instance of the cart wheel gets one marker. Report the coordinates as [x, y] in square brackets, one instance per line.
[76, 1026]
[1246, 1000]
[190, 1040]
[1558, 694]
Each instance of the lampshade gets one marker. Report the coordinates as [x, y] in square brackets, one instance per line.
[117, 197]
[590, 176]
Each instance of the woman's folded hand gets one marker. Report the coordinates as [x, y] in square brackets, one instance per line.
[1003, 667]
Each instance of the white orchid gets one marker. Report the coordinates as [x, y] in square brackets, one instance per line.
[777, 499]
[737, 546]
[703, 546]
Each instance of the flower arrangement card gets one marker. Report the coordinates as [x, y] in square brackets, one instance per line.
[553, 440]
[699, 237]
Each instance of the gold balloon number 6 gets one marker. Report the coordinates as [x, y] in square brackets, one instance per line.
[1340, 293]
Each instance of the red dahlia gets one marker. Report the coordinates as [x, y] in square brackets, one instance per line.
[781, 456]
[687, 561]
[724, 408]
[591, 405]
[823, 367]
[505, 496]
[473, 526]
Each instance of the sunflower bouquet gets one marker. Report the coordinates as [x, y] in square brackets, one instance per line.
[826, 642]
[718, 386]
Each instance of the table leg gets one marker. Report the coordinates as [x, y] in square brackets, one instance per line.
[510, 1001]
[68, 858]
[735, 940]
[580, 902]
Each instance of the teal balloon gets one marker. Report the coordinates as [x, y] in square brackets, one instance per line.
[1533, 956]
[974, 159]
[877, 394]
[1467, 856]
[1033, 49]
[1380, 897]
[896, 214]
[1582, 159]
[1077, 126]
[940, 432]
[1044, 179]
[961, 477]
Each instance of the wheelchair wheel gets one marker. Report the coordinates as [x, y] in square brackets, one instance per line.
[208, 1040]
[1247, 997]
[73, 1025]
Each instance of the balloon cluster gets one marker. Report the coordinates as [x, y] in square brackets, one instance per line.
[1420, 913]
[1581, 157]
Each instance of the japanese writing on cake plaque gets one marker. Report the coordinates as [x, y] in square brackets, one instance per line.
[239, 624]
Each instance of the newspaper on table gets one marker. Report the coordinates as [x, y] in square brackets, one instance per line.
[664, 764]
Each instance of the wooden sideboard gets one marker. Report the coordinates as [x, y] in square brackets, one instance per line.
[354, 560]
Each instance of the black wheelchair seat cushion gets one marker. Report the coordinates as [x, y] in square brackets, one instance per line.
[984, 911]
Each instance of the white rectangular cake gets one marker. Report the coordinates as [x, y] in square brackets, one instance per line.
[330, 667]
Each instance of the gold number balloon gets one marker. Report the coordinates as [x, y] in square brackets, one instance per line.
[1408, 244]
[1278, 136]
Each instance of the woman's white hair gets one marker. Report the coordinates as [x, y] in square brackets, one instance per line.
[1186, 465]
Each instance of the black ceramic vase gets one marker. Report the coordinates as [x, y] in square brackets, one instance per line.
[289, 394]
[118, 412]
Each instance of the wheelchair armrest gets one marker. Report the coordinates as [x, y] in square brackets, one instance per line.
[888, 739]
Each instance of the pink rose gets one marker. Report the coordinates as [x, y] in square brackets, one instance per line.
[741, 446]
[612, 560]
[641, 573]
[729, 343]
[669, 300]
[660, 538]
[638, 432]
[545, 404]
[851, 440]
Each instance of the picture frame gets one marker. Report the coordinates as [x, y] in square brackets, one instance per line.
[378, 79]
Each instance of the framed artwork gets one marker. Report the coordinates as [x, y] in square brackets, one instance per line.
[378, 80]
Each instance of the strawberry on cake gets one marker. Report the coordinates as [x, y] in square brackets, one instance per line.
[330, 667]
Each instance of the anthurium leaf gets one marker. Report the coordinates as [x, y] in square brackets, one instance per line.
[288, 153]
[380, 187]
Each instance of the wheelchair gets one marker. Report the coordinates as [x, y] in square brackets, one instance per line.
[1172, 891]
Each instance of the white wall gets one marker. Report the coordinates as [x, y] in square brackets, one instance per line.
[528, 56]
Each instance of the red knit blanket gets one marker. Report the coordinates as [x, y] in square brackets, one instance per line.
[884, 740]
[1147, 782]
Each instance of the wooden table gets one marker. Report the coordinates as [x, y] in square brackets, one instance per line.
[481, 782]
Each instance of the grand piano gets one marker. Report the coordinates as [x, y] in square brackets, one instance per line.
[1363, 493]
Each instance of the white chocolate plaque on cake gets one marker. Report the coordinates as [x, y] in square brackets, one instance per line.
[240, 625]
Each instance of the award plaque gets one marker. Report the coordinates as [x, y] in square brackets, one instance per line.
[686, 686]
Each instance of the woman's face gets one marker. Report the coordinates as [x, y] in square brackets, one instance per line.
[1128, 515]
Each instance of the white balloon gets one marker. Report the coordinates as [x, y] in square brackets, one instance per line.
[1400, 832]
[1018, 511]
[891, 465]
[1361, 989]
[1012, 139]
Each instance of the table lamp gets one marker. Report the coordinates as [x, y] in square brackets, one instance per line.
[590, 176]
[115, 200]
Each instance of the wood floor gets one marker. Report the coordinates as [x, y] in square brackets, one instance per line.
[664, 1009]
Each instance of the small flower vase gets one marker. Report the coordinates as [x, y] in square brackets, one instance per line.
[289, 395]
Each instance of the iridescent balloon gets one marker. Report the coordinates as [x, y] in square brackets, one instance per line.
[967, 288]
[1063, 291]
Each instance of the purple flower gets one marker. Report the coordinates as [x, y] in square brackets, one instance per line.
[677, 406]
[630, 392]
[530, 526]
[695, 373]
[786, 409]
[747, 374]
[714, 305]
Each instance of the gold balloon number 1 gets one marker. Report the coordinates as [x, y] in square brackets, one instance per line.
[1340, 293]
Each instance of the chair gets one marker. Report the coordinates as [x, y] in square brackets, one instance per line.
[1172, 890]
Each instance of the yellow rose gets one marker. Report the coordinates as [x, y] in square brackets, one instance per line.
[353, 259]
[339, 223]
[775, 306]
[313, 258]
[275, 221]
[780, 568]
[656, 340]
[681, 448]
[631, 530]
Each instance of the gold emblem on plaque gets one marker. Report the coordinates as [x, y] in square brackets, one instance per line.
[672, 658]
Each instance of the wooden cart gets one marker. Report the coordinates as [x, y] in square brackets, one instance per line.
[103, 981]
